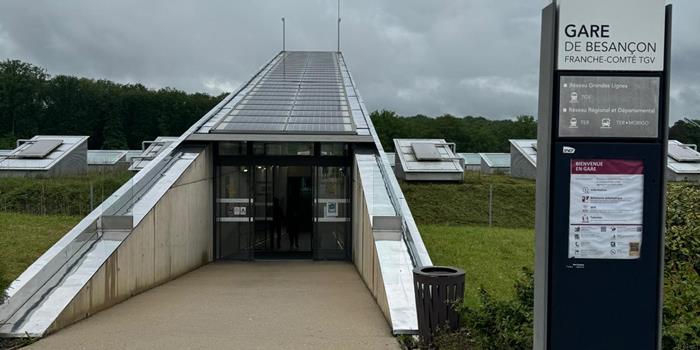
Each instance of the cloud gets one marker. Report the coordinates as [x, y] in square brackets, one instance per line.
[217, 86]
[501, 86]
[464, 57]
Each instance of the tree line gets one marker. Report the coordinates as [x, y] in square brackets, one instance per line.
[686, 131]
[121, 116]
[115, 116]
[470, 134]
[478, 134]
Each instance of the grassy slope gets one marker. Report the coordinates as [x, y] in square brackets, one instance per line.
[453, 221]
[467, 203]
[23, 238]
[68, 195]
[491, 257]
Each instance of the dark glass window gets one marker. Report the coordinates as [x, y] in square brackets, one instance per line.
[283, 149]
[232, 148]
[334, 149]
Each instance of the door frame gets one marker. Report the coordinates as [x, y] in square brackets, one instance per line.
[251, 160]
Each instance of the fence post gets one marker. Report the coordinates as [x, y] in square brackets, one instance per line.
[92, 200]
[42, 203]
[490, 205]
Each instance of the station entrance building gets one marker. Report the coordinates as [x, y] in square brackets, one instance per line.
[286, 167]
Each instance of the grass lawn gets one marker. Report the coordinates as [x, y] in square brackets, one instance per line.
[467, 203]
[453, 221]
[23, 238]
[491, 257]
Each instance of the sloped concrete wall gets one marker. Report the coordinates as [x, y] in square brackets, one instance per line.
[363, 247]
[174, 238]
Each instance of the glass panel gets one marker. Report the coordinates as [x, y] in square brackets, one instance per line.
[259, 149]
[334, 149]
[234, 240]
[233, 209]
[233, 182]
[283, 149]
[263, 207]
[283, 211]
[298, 199]
[333, 213]
[232, 148]
[290, 149]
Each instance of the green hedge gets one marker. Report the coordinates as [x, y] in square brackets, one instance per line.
[682, 271]
[58, 196]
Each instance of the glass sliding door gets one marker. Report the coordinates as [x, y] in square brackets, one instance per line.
[332, 213]
[283, 211]
[296, 199]
[233, 213]
[263, 214]
[282, 200]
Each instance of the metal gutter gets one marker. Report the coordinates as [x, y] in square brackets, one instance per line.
[281, 138]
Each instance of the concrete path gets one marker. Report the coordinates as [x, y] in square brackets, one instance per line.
[231, 305]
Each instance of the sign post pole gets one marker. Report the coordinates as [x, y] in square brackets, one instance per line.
[602, 146]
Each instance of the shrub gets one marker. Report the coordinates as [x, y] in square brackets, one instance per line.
[681, 309]
[682, 226]
[459, 340]
[503, 324]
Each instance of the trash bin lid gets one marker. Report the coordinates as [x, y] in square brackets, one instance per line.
[438, 271]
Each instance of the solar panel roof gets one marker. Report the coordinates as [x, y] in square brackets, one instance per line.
[496, 160]
[686, 166]
[37, 148]
[26, 156]
[470, 158]
[682, 153]
[302, 93]
[425, 151]
[103, 157]
[410, 162]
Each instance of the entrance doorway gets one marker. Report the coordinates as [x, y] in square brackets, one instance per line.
[282, 201]
[283, 225]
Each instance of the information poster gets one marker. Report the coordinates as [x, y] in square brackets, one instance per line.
[606, 209]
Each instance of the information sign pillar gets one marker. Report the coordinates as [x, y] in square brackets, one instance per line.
[602, 145]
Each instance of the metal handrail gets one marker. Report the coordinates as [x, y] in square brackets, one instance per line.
[405, 230]
[63, 261]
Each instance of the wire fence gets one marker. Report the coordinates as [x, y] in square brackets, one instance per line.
[58, 196]
[475, 202]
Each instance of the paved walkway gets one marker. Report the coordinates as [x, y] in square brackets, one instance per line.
[229, 305]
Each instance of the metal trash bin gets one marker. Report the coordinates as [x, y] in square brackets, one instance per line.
[438, 290]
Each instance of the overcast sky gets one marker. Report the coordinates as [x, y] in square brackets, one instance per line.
[464, 57]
